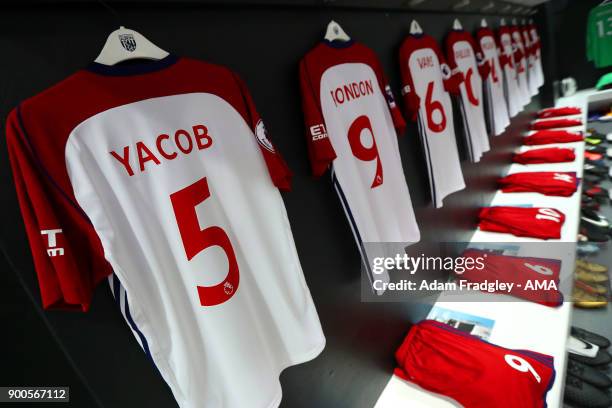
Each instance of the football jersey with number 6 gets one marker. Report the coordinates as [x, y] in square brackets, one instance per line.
[426, 82]
[351, 119]
[162, 172]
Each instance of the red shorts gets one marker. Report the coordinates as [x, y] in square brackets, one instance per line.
[544, 182]
[471, 371]
[542, 137]
[545, 155]
[541, 273]
[543, 223]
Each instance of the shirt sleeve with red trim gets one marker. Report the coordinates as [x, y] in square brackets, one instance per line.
[277, 167]
[320, 149]
[451, 74]
[67, 254]
[396, 115]
[412, 101]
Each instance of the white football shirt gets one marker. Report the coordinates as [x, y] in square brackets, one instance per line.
[535, 40]
[521, 63]
[512, 90]
[351, 120]
[495, 98]
[463, 52]
[162, 173]
[426, 78]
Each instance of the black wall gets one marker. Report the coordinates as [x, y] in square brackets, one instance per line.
[570, 25]
[97, 355]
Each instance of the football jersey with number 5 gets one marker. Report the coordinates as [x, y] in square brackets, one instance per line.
[426, 82]
[162, 172]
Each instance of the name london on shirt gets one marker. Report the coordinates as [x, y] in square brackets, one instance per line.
[491, 286]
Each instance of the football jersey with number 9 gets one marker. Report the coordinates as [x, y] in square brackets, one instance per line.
[352, 126]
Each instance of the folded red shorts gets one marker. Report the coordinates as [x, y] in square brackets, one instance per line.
[533, 279]
[555, 112]
[555, 123]
[542, 137]
[550, 183]
[545, 155]
[473, 372]
[535, 222]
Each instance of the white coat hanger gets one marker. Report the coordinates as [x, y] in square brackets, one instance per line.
[125, 44]
[483, 23]
[335, 33]
[457, 25]
[490, 5]
[415, 28]
[502, 22]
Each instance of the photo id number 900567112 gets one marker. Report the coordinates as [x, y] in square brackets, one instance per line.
[34, 394]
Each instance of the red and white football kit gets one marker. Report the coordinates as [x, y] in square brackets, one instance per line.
[464, 53]
[542, 137]
[543, 223]
[495, 98]
[351, 120]
[551, 183]
[426, 81]
[473, 372]
[532, 80]
[545, 155]
[520, 58]
[555, 112]
[537, 52]
[541, 272]
[162, 172]
[509, 65]
[555, 123]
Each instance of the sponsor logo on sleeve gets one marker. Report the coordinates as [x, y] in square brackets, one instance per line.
[318, 132]
[52, 249]
[390, 98]
[446, 71]
[262, 136]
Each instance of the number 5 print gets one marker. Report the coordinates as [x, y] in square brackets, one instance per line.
[196, 240]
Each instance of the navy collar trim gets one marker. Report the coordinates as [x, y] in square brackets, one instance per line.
[338, 43]
[131, 68]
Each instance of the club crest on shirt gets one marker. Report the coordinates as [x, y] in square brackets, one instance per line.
[128, 42]
[262, 136]
[228, 288]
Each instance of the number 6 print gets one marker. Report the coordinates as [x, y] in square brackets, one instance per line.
[196, 240]
[365, 153]
[432, 106]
